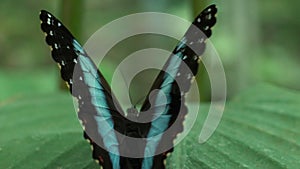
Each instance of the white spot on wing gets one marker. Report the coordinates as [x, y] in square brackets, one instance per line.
[49, 15]
[58, 24]
[195, 57]
[201, 40]
[63, 63]
[51, 33]
[184, 57]
[75, 61]
[49, 21]
[199, 20]
[208, 16]
[80, 78]
[55, 46]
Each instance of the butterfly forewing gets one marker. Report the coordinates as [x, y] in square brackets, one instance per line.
[174, 81]
[95, 100]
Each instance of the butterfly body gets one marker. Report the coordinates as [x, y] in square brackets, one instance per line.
[137, 139]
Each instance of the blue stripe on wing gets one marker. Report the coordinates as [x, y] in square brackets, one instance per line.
[161, 109]
[98, 99]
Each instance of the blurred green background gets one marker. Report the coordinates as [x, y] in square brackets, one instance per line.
[257, 41]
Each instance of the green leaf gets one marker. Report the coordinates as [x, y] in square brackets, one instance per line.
[259, 129]
[42, 132]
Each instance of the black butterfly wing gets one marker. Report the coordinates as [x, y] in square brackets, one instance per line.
[99, 111]
[167, 108]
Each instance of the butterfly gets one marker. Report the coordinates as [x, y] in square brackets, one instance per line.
[114, 134]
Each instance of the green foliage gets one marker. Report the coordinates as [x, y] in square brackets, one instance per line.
[259, 129]
[42, 132]
[255, 42]
[16, 84]
[71, 15]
